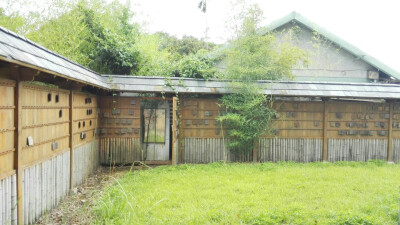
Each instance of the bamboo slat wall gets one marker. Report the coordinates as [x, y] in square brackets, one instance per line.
[8, 184]
[8, 200]
[206, 150]
[300, 125]
[7, 127]
[396, 150]
[86, 160]
[45, 184]
[120, 151]
[84, 118]
[120, 130]
[85, 140]
[198, 118]
[299, 120]
[354, 131]
[290, 149]
[107, 130]
[45, 120]
[357, 131]
[356, 149]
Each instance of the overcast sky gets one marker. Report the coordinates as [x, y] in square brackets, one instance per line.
[371, 25]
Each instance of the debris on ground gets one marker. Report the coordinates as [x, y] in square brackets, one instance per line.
[74, 208]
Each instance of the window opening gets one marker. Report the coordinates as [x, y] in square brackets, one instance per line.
[154, 125]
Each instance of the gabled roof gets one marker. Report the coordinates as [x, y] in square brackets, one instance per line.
[296, 17]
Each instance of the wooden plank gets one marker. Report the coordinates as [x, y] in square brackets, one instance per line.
[175, 139]
[71, 141]
[324, 138]
[255, 150]
[18, 143]
[390, 145]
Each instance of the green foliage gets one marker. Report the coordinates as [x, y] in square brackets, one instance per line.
[249, 58]
[159, 60]
[266, 193]
[111, 53]
[248, 114]
[255, 57]
[259, 57]
[197, 66]
[94, 33]
[154, 61]
[100, 34]
[185, 46]
[13, 22]
[67, 35]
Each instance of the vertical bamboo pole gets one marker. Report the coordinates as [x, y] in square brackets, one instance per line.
[255, 149]
[18, 142]
[324, 139]
[71, 144]
[180, 133]
[175, 131]
[390, 149]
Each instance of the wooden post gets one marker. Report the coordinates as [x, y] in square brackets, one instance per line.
[18, 142]
[325, 125]
[71, 144]
[180, 133]
[390, 145]
[255, 150]
[175, 131]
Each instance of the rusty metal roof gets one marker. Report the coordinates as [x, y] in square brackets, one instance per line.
[17, 49]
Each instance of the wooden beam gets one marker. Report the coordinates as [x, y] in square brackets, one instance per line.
[325, 132]
[157, 98]
[18, 142]
[28, 74]
[71, 143]
[180, 133]
[390, 143]
[5, 70]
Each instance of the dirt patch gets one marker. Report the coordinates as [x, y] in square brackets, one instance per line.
[74, 208]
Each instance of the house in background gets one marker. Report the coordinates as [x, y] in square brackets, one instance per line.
[331, 59]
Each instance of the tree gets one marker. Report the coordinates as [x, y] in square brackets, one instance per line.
[13, 22]
[198, 65]
[248, 112]
[94, 33]
[154, 59]
[100, 34]
[110, 52]
[185, 46]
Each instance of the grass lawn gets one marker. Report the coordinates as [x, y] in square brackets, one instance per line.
[268, 193]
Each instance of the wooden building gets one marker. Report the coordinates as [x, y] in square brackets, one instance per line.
[59, 121]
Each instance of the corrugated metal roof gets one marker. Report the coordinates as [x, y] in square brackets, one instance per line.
[18, 49]
[294, 16]
[278, 88]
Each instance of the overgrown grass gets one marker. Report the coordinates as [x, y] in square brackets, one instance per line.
[268, 193]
